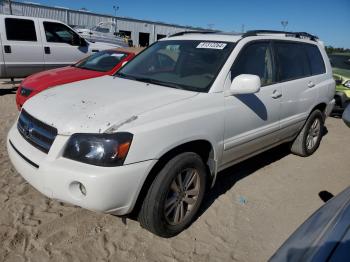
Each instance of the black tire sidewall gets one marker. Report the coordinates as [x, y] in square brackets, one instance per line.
[161, 188]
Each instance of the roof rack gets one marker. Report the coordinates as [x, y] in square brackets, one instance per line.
[194, 32]
[290, 34]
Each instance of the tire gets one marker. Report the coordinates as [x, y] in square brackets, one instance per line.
[161, 210]
[309, 138]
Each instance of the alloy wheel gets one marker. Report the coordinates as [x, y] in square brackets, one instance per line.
[313, 134]
[182, 196]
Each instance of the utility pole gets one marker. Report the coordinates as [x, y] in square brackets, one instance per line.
[10, 6]
[284, 23]
[115, 8]
[242, 30]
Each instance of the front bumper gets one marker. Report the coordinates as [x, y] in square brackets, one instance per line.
[108, 189]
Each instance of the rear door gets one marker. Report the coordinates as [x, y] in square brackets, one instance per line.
[21, 46]
[299, 87]
[62, 46]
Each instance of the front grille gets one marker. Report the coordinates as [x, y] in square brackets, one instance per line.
[37, 133]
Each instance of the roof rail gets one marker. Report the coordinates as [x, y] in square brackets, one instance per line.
[290, 34]
[194, 32]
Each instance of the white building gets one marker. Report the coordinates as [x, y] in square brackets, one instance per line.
[141, 32]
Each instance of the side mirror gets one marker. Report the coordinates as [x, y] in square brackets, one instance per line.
[346, 116]
[245, 84]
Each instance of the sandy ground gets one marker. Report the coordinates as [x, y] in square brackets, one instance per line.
[252, 209]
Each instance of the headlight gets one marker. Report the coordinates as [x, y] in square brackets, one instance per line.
[99, 149]
[25, 91]
[347, 84]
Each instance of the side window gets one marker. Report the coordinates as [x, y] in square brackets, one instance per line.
[20, 29]
[292, 61]
[316, 60]
[102, 29]
[255, 59]
[59, 33]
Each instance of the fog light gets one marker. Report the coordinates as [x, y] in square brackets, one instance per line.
[78, 190]
[82, 189]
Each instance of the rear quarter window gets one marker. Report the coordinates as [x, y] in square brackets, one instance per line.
[20, 29]
[316, 61]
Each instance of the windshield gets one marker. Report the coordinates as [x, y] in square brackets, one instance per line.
[184, 64]
[102, 61]
[340, 61]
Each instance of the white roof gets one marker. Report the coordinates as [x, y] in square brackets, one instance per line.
[231, 37]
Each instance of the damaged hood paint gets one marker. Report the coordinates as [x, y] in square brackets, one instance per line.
[99, 105]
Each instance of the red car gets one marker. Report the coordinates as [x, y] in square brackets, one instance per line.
[102, 63]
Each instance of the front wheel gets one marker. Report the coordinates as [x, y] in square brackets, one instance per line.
[309, 138]
[174, 196]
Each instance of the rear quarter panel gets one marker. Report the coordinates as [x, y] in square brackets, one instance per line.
[326, 89]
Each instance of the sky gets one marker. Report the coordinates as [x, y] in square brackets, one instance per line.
[328, 19]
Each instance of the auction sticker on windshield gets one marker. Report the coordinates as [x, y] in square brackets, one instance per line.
[211, 45]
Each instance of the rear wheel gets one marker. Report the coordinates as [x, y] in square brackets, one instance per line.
[309, 138]
[174, 196]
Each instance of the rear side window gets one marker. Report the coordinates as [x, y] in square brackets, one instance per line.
[316, 60]
[255, 59]
[20, 29]
[292, 61]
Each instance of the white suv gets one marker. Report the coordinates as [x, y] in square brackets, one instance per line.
[157, 133]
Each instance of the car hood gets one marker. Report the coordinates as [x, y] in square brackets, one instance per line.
[96, 105]
[58, 76]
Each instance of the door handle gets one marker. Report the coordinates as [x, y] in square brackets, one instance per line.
[276, 94]
[310, 84]
[7, 49]
[47, 50]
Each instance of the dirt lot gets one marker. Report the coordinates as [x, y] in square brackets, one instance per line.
[253, 208]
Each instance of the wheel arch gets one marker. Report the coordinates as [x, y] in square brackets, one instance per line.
[322, 107]
[202, 147]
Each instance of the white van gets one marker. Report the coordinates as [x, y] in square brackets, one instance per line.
[30, 45]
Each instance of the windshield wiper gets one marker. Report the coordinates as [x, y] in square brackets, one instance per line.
[122, 75]
[158, 82]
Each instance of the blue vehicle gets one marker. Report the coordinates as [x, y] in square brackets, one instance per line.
[325, 236]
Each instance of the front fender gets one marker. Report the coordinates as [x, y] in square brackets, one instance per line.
[158, 131]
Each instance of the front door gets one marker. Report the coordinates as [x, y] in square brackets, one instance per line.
[62, 46]
[252, 120]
